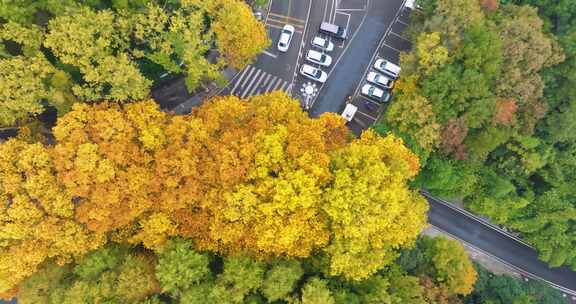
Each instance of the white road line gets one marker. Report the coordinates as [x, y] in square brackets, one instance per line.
[240, 79]
[284, 84]
[395, 49]
[350, 9]
[277, 85]
[301, 46]
[289, 89]
[325, 10]
[269, 54]
[288, 18]
[399, 36]
[281, 27]
[265, 82]
[248, 77]
[270, 84]
[257, 84]
[250, 83]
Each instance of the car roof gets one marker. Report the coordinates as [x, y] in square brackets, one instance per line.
[308, 69]
[314, 54]
[319, 40]
[390, 66]
[289, 27]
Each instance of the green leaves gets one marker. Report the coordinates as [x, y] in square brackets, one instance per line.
[180, 267]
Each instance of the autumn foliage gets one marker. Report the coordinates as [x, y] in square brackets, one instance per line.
[259, 177]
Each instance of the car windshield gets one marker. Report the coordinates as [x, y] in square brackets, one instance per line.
[282, 44]
[371, 91]
[287, 32]
[317, 74]
[322, 58]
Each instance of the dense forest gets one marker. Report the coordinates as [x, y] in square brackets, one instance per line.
[487, 102]
[252, 201]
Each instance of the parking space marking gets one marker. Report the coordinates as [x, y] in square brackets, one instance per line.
[270, 54]
[300, 49]
[401, 37]
[401, 22]
[395, 49]
[367, 115]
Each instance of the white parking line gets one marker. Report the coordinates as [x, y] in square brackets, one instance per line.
[269, 54]
[248, 68]
[250, 83]
[399, 36]
[401, 22]
[395, 49]
[301, 47]
[281, 27]
[367, 115]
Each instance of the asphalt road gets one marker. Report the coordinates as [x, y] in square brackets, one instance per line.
[497, 244]
[344, 79]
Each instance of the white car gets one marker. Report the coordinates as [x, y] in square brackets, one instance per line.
[318, 58]
[313, 73]
[379, 79]
[375, 93]
[285, 38]
[387, 67]
[323, 44]
[349, 112]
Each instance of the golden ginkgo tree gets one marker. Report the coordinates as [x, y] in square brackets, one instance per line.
[257, 176]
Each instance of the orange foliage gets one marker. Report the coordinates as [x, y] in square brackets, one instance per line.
[490, 5]
[505, 112]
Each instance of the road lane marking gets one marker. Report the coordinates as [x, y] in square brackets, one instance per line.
[301, 47]
[269, 54]
[250, 83]
[287, 18]
[248, 68]
[248, 77]
[281, 27]
[401, 22]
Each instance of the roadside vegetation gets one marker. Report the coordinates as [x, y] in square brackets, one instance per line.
[58, 53]
[487, 102]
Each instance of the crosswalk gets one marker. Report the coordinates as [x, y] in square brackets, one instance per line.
[254, 81]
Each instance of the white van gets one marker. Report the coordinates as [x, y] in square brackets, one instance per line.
[333, 30]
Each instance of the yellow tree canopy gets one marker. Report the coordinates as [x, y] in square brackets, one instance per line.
[256, 176]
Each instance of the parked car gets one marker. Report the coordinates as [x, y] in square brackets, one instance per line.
[349, 112]
[318, 58]
[387, 67]
[313, 73]
[333, 30]
[381, 80]
[285, 38]
[323, 44]
[375, 93]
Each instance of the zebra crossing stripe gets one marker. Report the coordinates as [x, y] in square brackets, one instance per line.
[248, 68]
[250, 83]
[270, 84]
[263, 84]
[257, 84]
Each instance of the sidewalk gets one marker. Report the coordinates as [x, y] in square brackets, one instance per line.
[173, 95]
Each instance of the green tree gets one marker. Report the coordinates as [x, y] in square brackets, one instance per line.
[281, 279]
[316, 291]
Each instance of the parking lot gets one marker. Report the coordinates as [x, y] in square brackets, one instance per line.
[348, 14]
[392, 44]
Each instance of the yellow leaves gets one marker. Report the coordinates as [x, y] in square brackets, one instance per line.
[369, 203]
[247, 37]
[430, 51]
[155, 231]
